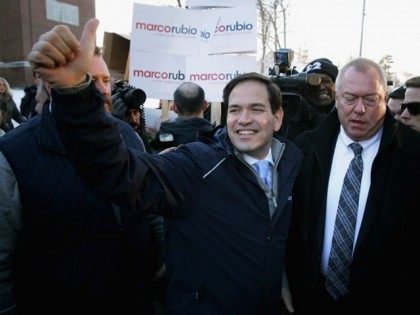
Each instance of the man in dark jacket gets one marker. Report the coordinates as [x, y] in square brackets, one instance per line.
[354, 232]
[63, 250]
[190, 104]
[228, 223]
[305, 112]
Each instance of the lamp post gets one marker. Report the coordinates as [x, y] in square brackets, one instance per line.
[361, 32]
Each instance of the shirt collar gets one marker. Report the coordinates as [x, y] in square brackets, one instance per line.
[346, 141]
[251, 160]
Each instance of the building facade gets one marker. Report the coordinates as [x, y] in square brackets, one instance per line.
[21, 24]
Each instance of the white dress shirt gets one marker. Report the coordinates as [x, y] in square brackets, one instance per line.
[250, 160]
[343, 155]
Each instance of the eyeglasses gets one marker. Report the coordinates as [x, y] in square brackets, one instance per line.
[368, 100]
[412, 107]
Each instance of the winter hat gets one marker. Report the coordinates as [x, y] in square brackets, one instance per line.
[322, 65]
[398, 93]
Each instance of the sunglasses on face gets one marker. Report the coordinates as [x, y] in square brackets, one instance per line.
[412, 107]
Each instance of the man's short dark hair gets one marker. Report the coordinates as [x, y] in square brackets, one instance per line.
[189, 98]
[274, 93]
[413, 82]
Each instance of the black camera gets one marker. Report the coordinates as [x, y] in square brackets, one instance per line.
[132, 97]
[292, 85]
[282, 62]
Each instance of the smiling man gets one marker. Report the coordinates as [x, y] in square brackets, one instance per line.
[321, 97]
[356, 205]
[228, 219]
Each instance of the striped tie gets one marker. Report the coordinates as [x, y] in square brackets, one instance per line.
[338, 271]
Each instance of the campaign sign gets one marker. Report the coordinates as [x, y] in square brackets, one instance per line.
[157, 74]
[170, 30]
[218, 3]
[212, 73]
[160, 74]
[234, 32]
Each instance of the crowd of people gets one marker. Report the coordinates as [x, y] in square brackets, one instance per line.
[269, 213]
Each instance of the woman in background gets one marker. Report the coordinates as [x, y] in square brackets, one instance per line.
[8, 107]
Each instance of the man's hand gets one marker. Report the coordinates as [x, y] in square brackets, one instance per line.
[62, 60]
[119, 109]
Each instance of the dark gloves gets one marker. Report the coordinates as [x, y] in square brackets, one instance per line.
[119, 109]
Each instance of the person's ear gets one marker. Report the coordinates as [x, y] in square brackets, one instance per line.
[174, 108]
[205, 105]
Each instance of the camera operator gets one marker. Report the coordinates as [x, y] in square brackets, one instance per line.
[307, 97]
[127, 105]
[321, 97]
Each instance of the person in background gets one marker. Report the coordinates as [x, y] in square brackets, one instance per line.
[28, 101]
[395, 98]
[190, 104]
[8, 107]
[153, 117]
[228, 204]
[410, 108]
[2, 133]
[62, 249]
[356, 205]
[321, 97]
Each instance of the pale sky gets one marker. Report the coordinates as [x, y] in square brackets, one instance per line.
[326, 28]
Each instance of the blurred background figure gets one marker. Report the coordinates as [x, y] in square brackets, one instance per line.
[28, 101]
[190, 104]
[395, 98]
[128, 106]
[2, 133]
[410, 108]
[8, 107]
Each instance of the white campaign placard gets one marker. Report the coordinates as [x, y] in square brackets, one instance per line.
[157, 74]
[160, 74]
[212, 73]
[236, 30]
[218, 3]
[170, 30]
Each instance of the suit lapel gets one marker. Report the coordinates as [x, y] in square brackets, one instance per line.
[388, 173]
[322, 143]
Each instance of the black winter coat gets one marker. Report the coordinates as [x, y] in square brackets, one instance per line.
[385, 267]
[225, 255]
[72, 256]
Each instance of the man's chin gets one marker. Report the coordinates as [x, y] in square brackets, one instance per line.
[108, 104]
[323, 101]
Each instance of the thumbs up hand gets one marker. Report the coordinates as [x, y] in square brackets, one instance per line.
[62, 60]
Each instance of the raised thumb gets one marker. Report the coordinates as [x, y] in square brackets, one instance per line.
[87, 40]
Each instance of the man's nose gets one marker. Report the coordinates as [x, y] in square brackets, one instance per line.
[101, 87]
[360, 107]
[405, 114]
[244, 117]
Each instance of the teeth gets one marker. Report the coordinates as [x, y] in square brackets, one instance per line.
[246, 132]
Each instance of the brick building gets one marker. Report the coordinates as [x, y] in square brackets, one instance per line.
[23, 21]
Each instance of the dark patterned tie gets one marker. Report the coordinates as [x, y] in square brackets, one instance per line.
[338, 271]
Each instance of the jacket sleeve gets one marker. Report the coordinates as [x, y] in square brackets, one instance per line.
[10, 225]
[93, 143]
[16, 115]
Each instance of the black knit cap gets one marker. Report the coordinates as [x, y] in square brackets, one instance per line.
[322, 65]
[398, 93]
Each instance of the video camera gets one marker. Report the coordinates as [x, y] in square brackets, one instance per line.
[132, 97]
[292, 84]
